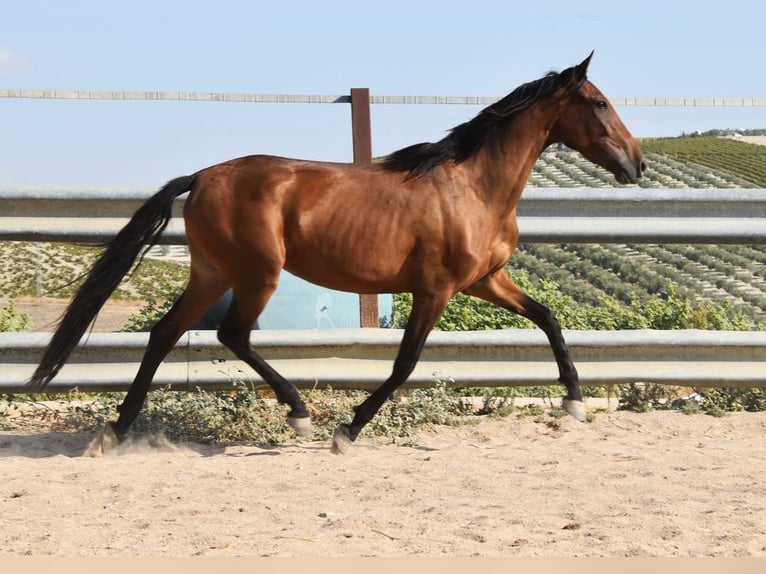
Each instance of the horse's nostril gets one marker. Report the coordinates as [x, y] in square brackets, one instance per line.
[642, 167]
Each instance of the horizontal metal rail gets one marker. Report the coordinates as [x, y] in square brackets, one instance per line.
[341, 99]
[363, 358]
[557, 215]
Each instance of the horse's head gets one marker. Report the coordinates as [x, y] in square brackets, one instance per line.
[588, 123]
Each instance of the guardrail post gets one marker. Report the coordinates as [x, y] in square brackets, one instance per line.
[362, 140]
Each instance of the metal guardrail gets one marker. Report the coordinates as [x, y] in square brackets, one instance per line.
[556, 215]
[363, 358]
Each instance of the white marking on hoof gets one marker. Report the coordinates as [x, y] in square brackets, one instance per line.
[575, 408]
[103, 442]
[301, 426]
[341, 441]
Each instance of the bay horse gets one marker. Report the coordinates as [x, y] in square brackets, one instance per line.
[432, 219]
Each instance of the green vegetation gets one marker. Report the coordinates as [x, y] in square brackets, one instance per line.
[240, 414]
[745, 160]
[55, 270]
[251, 414]
[11, 319]
[645, 397]
[566, 168]
[667, 313]
[153, 311]
[729, 276]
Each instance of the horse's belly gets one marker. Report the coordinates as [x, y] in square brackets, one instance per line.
[356, 267]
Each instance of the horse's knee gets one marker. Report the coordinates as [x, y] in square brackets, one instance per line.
[231, 337]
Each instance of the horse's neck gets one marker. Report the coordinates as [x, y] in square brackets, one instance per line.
[506, 166]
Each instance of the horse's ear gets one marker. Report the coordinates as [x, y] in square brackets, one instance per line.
[581, 70]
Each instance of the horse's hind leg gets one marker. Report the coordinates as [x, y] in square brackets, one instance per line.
[195, 300]
[247, 304]
[500, 290]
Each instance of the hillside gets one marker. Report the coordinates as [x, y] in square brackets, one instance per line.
[733, 273]
[565, 168]
[726, 155]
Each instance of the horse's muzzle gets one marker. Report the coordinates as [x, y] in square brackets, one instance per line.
[631, 173]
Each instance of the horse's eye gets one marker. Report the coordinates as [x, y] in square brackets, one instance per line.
[601, 104]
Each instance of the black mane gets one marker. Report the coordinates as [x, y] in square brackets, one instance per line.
[467, 139]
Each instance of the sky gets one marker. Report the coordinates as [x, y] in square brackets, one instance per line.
[645, 49]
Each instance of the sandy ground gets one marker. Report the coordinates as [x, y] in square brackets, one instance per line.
[655, 484]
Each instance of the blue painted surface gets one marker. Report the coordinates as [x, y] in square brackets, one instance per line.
[298, 304]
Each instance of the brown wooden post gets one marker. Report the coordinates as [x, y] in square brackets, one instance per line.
[362, 138]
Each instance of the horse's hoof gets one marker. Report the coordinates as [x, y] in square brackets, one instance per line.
[575, 408]
[341, 440]
[103, 442]
[301, 426]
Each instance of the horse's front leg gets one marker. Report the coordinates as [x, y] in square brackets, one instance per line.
[426, 310]
[497, 288]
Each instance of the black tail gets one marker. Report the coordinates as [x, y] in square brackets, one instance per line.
[138, 235]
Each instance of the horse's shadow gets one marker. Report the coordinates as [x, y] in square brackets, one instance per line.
[77, 444]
